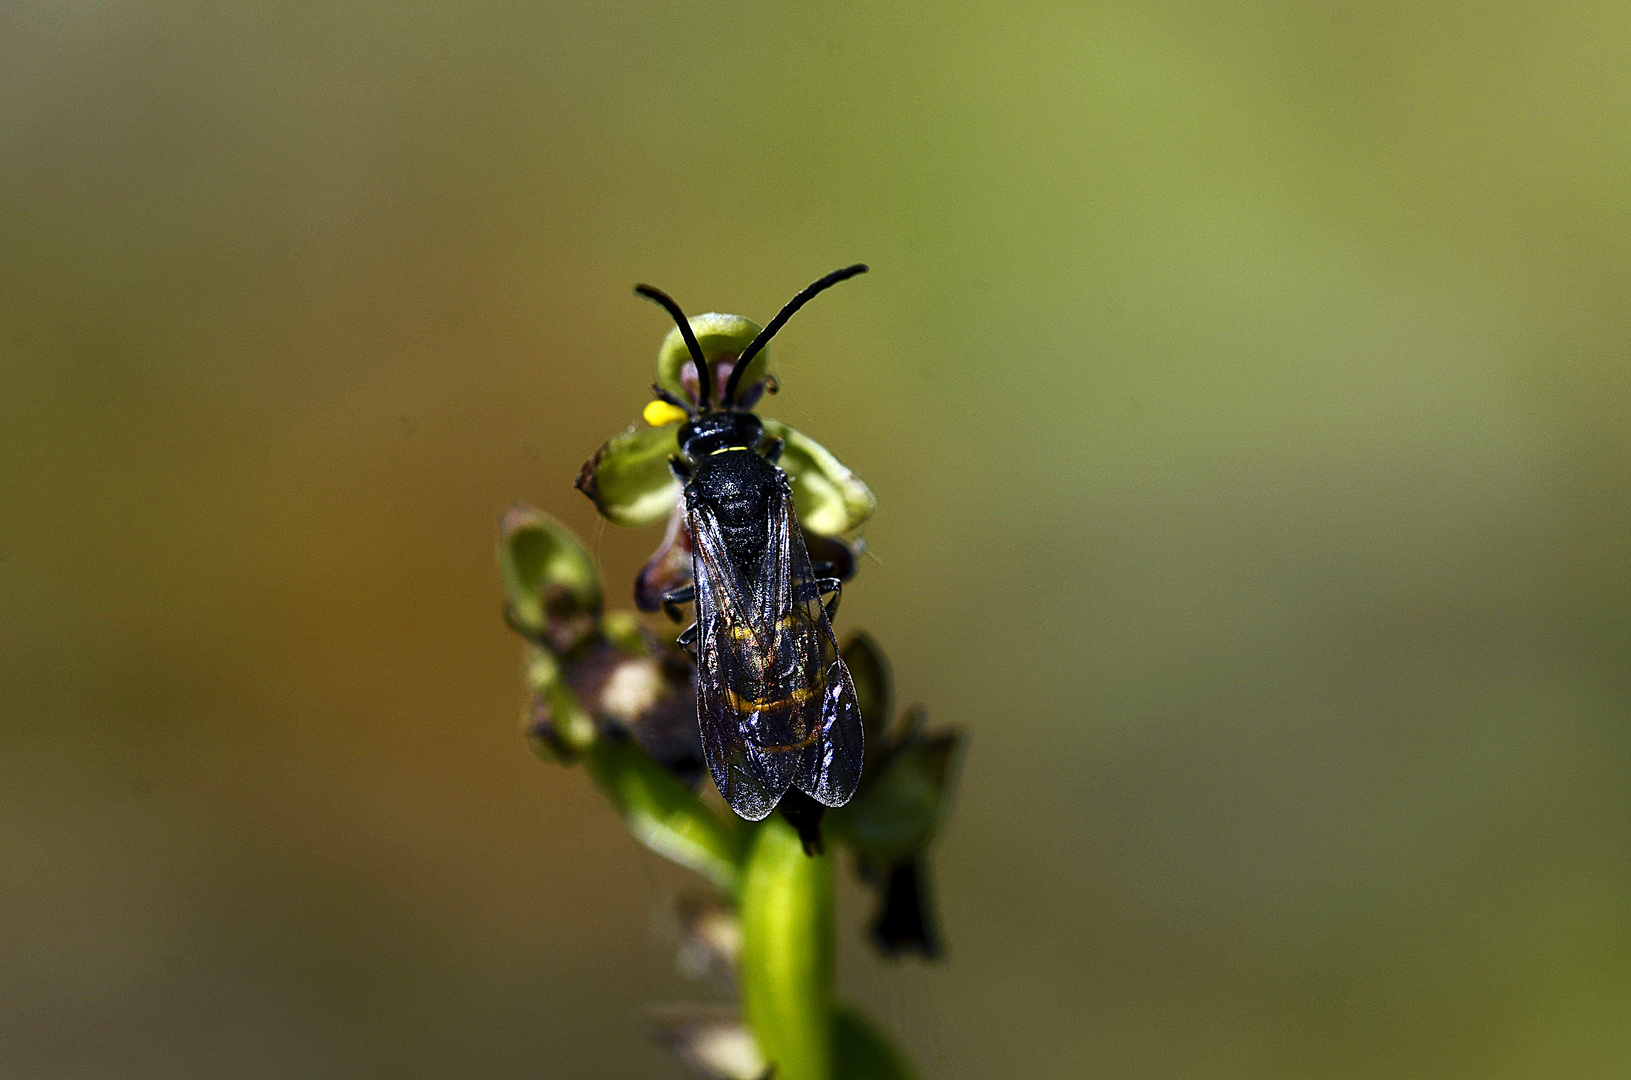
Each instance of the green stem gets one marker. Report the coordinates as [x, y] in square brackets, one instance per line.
[787, 952]
[664, 814]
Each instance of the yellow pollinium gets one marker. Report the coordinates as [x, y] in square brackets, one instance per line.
[657, 413]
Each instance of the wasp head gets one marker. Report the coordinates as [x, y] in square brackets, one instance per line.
[734, 339]
[710, 431]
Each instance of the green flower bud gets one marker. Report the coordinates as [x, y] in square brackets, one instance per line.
[629, 479]
[874, 689]
[625, 632]
[549, 580]
[899, 810]
[558, 727]
[828, 498]
[722, 337]
[910, 772]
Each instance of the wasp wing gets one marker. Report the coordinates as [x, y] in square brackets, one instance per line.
[744, 741]
[830, 762]
[775, 703]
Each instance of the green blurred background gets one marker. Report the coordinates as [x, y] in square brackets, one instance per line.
[1245, 387]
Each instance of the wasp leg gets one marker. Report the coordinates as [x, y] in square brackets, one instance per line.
[773, 450]
[817, 587]
[673, 599]
[664, 395]
[680, 469]
[834, 586]
[804, 814]
[687, 639]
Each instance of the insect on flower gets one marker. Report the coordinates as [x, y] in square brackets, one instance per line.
[775, 703]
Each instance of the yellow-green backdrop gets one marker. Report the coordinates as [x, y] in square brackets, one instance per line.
[1247, 392]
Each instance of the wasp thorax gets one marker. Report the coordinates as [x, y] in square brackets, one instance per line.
[718, 430]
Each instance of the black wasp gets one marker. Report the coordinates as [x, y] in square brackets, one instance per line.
[775, 702]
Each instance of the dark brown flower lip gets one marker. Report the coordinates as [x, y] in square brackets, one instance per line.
[669, 567]
[586, 475]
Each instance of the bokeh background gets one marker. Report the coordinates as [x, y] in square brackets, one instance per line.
[1246, 391]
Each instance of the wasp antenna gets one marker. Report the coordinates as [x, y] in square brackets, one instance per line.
[804, 297]
[663, 395]
[705, 374]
